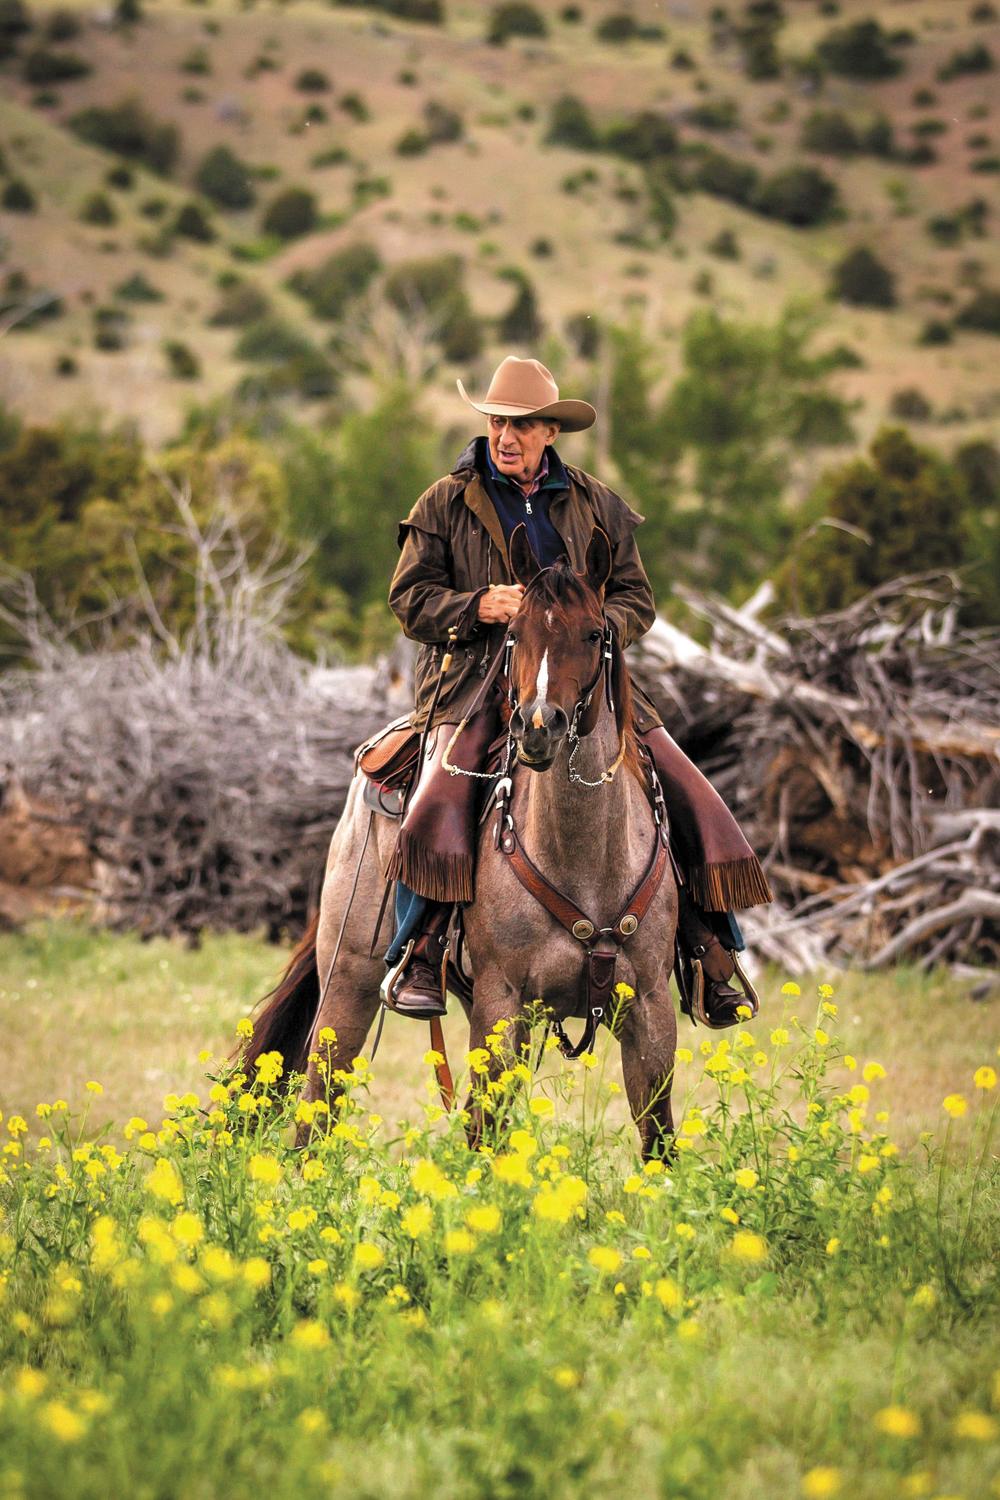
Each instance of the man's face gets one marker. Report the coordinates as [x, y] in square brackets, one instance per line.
[517, 444]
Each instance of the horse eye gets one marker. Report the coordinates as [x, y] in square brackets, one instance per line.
[595, 636]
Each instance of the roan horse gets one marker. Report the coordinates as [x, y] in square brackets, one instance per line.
[585, 818]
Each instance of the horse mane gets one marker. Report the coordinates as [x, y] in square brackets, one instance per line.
[552, 589]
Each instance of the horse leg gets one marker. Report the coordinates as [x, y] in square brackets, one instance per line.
[648, 1042]
[493, 1000]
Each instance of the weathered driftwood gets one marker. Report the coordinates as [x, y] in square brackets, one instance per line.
[862, 754]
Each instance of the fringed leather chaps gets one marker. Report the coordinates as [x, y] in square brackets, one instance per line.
[721, 870]
[436, 853]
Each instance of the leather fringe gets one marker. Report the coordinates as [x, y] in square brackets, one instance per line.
[731, 885]
[439, 877]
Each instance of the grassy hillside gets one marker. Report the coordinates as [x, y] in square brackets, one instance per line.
[577, 223]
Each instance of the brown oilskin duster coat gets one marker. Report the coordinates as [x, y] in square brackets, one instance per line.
[453, 548]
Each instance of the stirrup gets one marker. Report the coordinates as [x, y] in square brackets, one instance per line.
[698, 1011]
[393, 975]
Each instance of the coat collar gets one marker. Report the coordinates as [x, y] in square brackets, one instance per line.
[476, 498]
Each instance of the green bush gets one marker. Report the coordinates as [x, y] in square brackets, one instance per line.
[192, 223]
[412, 142]
[910, 404]
[291, 213]
[110, 329]
[830, 132]
[662, 204]
[935, 331]
[799, 195]
[42, 65]
[182, 362]
[270, 340]
[981, 312]
[620, 26]
[645, 137]
[434, 286]
[724, 177]
[521, 323]
[137, 288]
[442, 123]
[225, 179]
[515, 19]
[197, 61]
[725, 245]
[62, 26]
[974, 59]
[128, 129]
[312, 81]
[861, 279]
[241, 302]
[338, 280]
[18, 197]
[758, 38]
[354, 104]
[121, 177]
[904, 507]
[97, 208]
[861, 50]
[570, 124]
[715, 114]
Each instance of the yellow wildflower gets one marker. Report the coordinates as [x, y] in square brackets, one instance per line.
[187, 1229]
[872, 1071]
[256, 1272]
[348, 1296]
[163, 1182]
[484, 1220]
[790, 988]
[897, 1421]
[821, 1483]
[458, 1242]
[512, 1169]
[985, 1078]
[730, 1215]
[833, 1246]
[746, 1178]
[668, 1293]
[955, 1105]
[541, 1107]
[977, 1425]
[604, 1259]
[684, 1231]
[430, 1182]
[265, 1169]
[64, 1423]
[417, 1220]
[368, 1257]
[749, 1247]
[244, 1029]
[308, 1334]
[867, 1163]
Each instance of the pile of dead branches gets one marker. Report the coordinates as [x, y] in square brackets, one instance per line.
[861, 753]
[205, 775]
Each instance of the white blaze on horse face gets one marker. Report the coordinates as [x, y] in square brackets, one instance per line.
[541, 691]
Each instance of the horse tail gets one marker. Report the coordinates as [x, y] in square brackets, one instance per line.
[285, 1022]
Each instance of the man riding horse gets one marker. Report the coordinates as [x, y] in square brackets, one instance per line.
[454, 591]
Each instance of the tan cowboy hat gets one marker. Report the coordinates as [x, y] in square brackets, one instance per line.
[525, 388]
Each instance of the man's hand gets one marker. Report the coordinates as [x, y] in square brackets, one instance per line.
[500, 603]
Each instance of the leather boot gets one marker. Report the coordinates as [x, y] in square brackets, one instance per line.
[416, 986]
[715, 1001]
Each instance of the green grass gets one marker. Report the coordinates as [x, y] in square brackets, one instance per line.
[196, 1310]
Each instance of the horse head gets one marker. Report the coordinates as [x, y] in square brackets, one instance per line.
[561, 645]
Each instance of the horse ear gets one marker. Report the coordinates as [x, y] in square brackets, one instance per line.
[523, 563]
[598, 559]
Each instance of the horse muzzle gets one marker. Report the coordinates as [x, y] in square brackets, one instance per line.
[538, 731]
